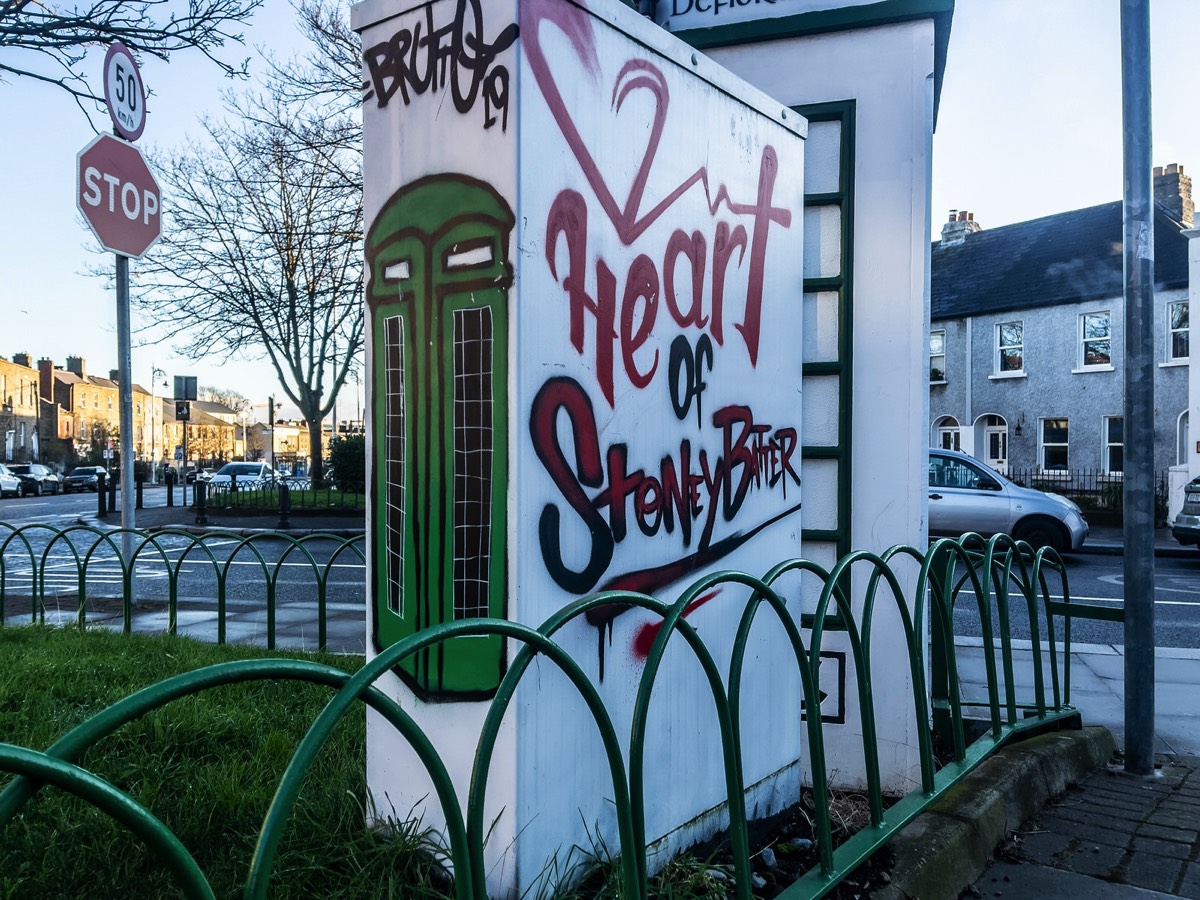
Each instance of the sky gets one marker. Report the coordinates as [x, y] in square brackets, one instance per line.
[1029, 124]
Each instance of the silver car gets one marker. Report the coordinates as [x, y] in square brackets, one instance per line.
[965, 495]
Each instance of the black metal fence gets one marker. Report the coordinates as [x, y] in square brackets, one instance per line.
[1094, 490]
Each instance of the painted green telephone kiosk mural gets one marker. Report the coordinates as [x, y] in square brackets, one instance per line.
[438, 298]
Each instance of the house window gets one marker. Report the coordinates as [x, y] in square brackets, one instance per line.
[1052, 449]
[1010, 347]
[1114, 445]
[1177, 323]
[937, 357]
[1095, 331]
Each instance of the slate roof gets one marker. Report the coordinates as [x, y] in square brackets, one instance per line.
[1064, 258]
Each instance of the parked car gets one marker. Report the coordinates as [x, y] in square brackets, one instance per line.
[1186, 527]
[249, 475]
[10, 484]
[38, 479]
[194, 475]
[965, 495]
[83, 478]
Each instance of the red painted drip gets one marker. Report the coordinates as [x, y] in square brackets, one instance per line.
[644, 639]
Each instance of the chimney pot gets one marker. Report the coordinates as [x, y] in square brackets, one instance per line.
[961, 224]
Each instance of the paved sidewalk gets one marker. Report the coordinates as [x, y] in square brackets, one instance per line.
[1110, 540]
[1114, 835]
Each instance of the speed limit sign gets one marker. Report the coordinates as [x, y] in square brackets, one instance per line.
[124, 93]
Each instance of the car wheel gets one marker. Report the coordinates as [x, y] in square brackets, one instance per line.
[1041, 531]
[37, 489]
[21, 489]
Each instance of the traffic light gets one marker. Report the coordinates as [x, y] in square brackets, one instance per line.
[183, 410]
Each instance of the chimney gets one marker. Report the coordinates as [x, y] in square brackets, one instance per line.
[1173, 192]
[961, 224]
[75, 364]
[46, 379]
[21, 359]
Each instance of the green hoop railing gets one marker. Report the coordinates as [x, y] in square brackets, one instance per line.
[999, 572]
[87, 547]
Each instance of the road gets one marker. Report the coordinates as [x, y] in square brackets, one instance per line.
[1099, 579]
[1091, 578]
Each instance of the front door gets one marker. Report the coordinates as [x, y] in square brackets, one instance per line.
[995, 442]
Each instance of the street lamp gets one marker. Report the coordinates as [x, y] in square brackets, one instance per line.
[155, 419]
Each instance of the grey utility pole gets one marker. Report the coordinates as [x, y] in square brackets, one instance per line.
[1138, 211]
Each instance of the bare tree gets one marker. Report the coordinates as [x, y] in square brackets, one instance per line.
[46, 41]
[261, 255]
[326, 82]
[235, 400]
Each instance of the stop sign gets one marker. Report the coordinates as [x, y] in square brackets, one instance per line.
[117, 194]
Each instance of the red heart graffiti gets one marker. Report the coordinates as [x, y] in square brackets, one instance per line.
[636, 74]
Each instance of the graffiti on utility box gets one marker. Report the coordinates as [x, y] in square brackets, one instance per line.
[589, 383]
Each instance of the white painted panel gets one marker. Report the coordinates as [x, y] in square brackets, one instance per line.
[823, 158]
[822, 241]
[801, 590]
[820, 413]
[821, 327]
[613, 435]
[820, 493]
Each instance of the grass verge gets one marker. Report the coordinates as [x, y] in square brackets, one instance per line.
[207, 766]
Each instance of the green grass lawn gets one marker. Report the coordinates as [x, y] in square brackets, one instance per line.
[207, 766]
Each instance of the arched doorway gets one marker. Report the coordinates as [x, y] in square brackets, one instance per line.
[946, 433]
[991, 434]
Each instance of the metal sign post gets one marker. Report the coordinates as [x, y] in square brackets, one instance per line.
[119, 197]
[1139, 389]
[125, 368]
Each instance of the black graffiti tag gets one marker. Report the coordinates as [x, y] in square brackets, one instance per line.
[423, 58]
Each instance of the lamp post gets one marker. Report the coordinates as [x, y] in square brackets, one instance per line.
[155, 420]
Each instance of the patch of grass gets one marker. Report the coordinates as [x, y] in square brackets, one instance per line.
[257, 502]
[207, 766]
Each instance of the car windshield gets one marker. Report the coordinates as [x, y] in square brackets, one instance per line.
[84, 471]
[240, 469]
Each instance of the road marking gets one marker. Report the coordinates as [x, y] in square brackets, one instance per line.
[1121, 600]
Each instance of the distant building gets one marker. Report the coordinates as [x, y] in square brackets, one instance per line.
[20, 410]
[1027, 337]
[81, 413]
[213, 437]
[289, 444]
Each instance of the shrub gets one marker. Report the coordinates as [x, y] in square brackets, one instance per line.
[348, 462]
